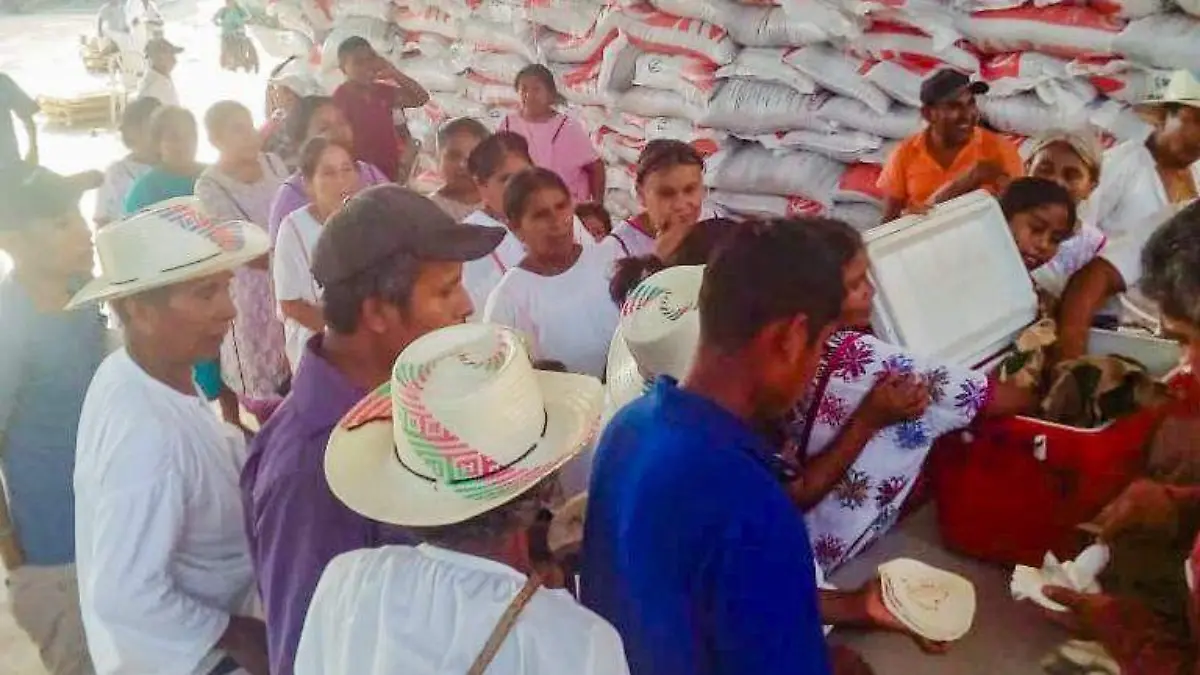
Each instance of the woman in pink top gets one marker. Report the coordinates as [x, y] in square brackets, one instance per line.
[556, 142]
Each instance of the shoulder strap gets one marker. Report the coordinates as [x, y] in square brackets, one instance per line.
[621, 241]
[232, 200]
[562, 123]
[503, 627]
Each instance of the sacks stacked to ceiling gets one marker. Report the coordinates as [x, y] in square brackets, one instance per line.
[798, 101]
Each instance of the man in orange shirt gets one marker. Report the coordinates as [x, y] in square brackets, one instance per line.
[952, 156]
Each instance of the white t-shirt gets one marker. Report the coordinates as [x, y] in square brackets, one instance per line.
[1072, 256]
[291, 268]
[569, 317]
[118, 178]
[401, 609]
[162, 555]
[481, 276]
[1130, 192]
[156, 85]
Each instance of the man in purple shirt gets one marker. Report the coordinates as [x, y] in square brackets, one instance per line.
[391, 266]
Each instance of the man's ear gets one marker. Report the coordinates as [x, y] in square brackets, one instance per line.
[373, 315]
[927, 113]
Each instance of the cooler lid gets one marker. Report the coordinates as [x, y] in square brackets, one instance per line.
[950, 285]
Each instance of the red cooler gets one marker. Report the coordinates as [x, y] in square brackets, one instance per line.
[952, 286]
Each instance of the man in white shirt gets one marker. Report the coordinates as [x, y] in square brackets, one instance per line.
[1141, 185]
[474, 454]
[165, 578]
[157, 83]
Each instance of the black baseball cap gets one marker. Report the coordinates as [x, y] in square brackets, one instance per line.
[946, 84]
[387, 221]
[31, 195]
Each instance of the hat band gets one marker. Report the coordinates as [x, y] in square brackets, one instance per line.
[173, 268]
[483, 476]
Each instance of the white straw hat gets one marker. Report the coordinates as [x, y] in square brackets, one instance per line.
[169, 243]
[465, 425]
[1182, 88]
[658, 334]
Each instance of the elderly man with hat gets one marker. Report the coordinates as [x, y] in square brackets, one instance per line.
[462, 445]
[952, 156]
[165, 578]
[49, 357]
[1143, 184]
[161, 57]
[390, 263]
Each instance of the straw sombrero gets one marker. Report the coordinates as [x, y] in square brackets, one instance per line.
[464, 425]
[1182, 88]
[168, 243]
[658, 334]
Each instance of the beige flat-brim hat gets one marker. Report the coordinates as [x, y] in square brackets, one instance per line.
[464, 425]
[658, 334]
[1183, 88]
[168, 243]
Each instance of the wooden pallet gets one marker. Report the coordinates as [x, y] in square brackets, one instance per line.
[85, 110]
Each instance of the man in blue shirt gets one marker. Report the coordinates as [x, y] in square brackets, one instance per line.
[47, 359]
[692, 549]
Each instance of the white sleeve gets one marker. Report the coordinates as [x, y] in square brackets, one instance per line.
[154, 626]
[311, 654]
[108, 200]
[289, 267]
[607, 652]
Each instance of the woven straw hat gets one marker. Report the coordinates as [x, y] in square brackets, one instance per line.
[464, 425]
[168, 243]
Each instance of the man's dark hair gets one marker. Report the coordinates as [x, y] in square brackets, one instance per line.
[843, 240]
[486, 158]
[461, 125]
[523, 186]
[1171, 266]
[351, 45]
[137, 115]
[705, 239]
[1028, 193]
[298, 121]
[393, 283]
[767, 272]
[492, 526]
[662, 154]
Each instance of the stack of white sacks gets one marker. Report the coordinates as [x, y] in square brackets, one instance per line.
[798, 103]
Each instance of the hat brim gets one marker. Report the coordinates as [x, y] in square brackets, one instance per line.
[365, 473]
[462, 243]
[101, 289]
[1190, 102]
[623, 379]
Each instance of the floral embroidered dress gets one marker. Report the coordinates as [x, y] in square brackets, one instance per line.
[865, 503]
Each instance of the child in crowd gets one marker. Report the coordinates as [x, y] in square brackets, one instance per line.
[173, 136]
[237, 51]
[595, 219]
[374, 90]
[459, 195]
[1041, 215]
[556, 141]
[558, 292]
[332, 178]
[670, 186]
[1073, 160]
[315, 116]
[122, 174]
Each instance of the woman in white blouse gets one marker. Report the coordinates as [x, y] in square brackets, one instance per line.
[331, 177]
[558, 293]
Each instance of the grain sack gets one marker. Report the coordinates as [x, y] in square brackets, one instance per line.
[486, 36]
[898, 122]
[693, 79]
[890, 41]
[435, 75]
[566, 48]
[649, 102]
[655, 31]
[1163, 41]
[768, 26]
[576, 18]
[751, 107]
[1061, 30]
[383, 36]
[901, 79]
[844, 146]
[1028, 115]
[500, 68]
[579, 84]
[767, 65]
[1008, 74]
[429, 20]
[754, 169]
[739, 205]
[838, 73]
[860, 185]
[861, 217]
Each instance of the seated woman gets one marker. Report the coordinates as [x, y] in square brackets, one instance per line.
[558, 293]
[670, 186]
[861, 438]
[1139, 640]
